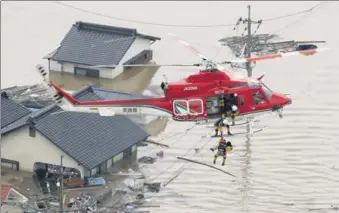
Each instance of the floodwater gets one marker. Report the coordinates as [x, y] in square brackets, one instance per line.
[291, 166]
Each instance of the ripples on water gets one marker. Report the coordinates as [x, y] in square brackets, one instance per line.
[293, 165]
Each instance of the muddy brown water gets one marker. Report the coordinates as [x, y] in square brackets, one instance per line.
[291, 166]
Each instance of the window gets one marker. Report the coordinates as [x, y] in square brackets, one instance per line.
[266, 91]
[86, 72]
[242, 100]
[258, 98]
[195, 106]
[180, 107]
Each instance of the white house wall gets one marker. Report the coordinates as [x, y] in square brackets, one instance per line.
[55, 66]
[19, 146]
[134, 148]
[118, 157]
[138, 45]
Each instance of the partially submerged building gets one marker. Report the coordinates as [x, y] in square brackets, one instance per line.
[89, 44]
[90, 143]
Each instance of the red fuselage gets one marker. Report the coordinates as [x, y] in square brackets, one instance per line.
[196, 97]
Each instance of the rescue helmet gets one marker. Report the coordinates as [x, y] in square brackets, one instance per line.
[234, 108]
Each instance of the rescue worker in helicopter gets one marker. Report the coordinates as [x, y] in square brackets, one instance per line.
[232, 109]
[234, 113]
[222, 149]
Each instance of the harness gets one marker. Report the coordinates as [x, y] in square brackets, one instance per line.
[222, 148]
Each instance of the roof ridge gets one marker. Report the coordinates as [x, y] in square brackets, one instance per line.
[37, 114]
[105, 28]
[83, 89]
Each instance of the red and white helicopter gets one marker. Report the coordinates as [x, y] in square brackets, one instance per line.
[195, 98]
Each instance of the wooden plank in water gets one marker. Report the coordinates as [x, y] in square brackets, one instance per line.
[204, 164]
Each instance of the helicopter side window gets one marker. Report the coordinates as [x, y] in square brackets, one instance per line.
[258, 98]
[241, 100]
[266, 91]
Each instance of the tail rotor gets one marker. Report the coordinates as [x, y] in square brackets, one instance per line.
[42, 72]
[57, 96]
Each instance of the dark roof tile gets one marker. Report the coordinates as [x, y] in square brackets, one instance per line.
[86, 94]
[95, 44]
[11, 111]
[90, 138]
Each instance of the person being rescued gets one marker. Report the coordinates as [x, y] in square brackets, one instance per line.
[223, 147]
[220, 124]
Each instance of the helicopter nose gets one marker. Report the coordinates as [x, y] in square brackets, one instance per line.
[288, 100]
[280, 100]
[283, 99]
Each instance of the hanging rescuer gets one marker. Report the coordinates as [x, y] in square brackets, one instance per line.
[222, 149]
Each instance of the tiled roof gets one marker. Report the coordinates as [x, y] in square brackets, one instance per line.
[89, 138]
[87, 93]
[11, 111]
[95, 44]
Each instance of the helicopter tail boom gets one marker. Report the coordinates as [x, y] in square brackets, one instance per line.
[140, 106]
[144, 106]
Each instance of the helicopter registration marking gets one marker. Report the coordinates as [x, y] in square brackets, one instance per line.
[190, 88]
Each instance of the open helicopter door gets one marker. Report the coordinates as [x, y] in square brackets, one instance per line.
[191, 109]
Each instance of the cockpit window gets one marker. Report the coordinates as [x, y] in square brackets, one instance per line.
[266, 91]
[258, 98]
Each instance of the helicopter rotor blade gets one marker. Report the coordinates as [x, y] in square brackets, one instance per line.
[146, 65]
[274, 56]
[189, 46]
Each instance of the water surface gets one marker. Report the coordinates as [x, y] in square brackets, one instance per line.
[292, 166]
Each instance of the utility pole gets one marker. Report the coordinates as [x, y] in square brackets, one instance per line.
[61, 188]
[249, 41]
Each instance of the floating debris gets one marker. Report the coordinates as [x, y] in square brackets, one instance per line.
[83, 203]
[142, 144]
[147, 160]
[160, 154]
[153, 187]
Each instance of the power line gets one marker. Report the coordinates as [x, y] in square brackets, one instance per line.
[299, 19]
[297, 13]
[187, 26]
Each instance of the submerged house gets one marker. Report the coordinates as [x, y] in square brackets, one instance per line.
[88, 44]
[90, 143]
